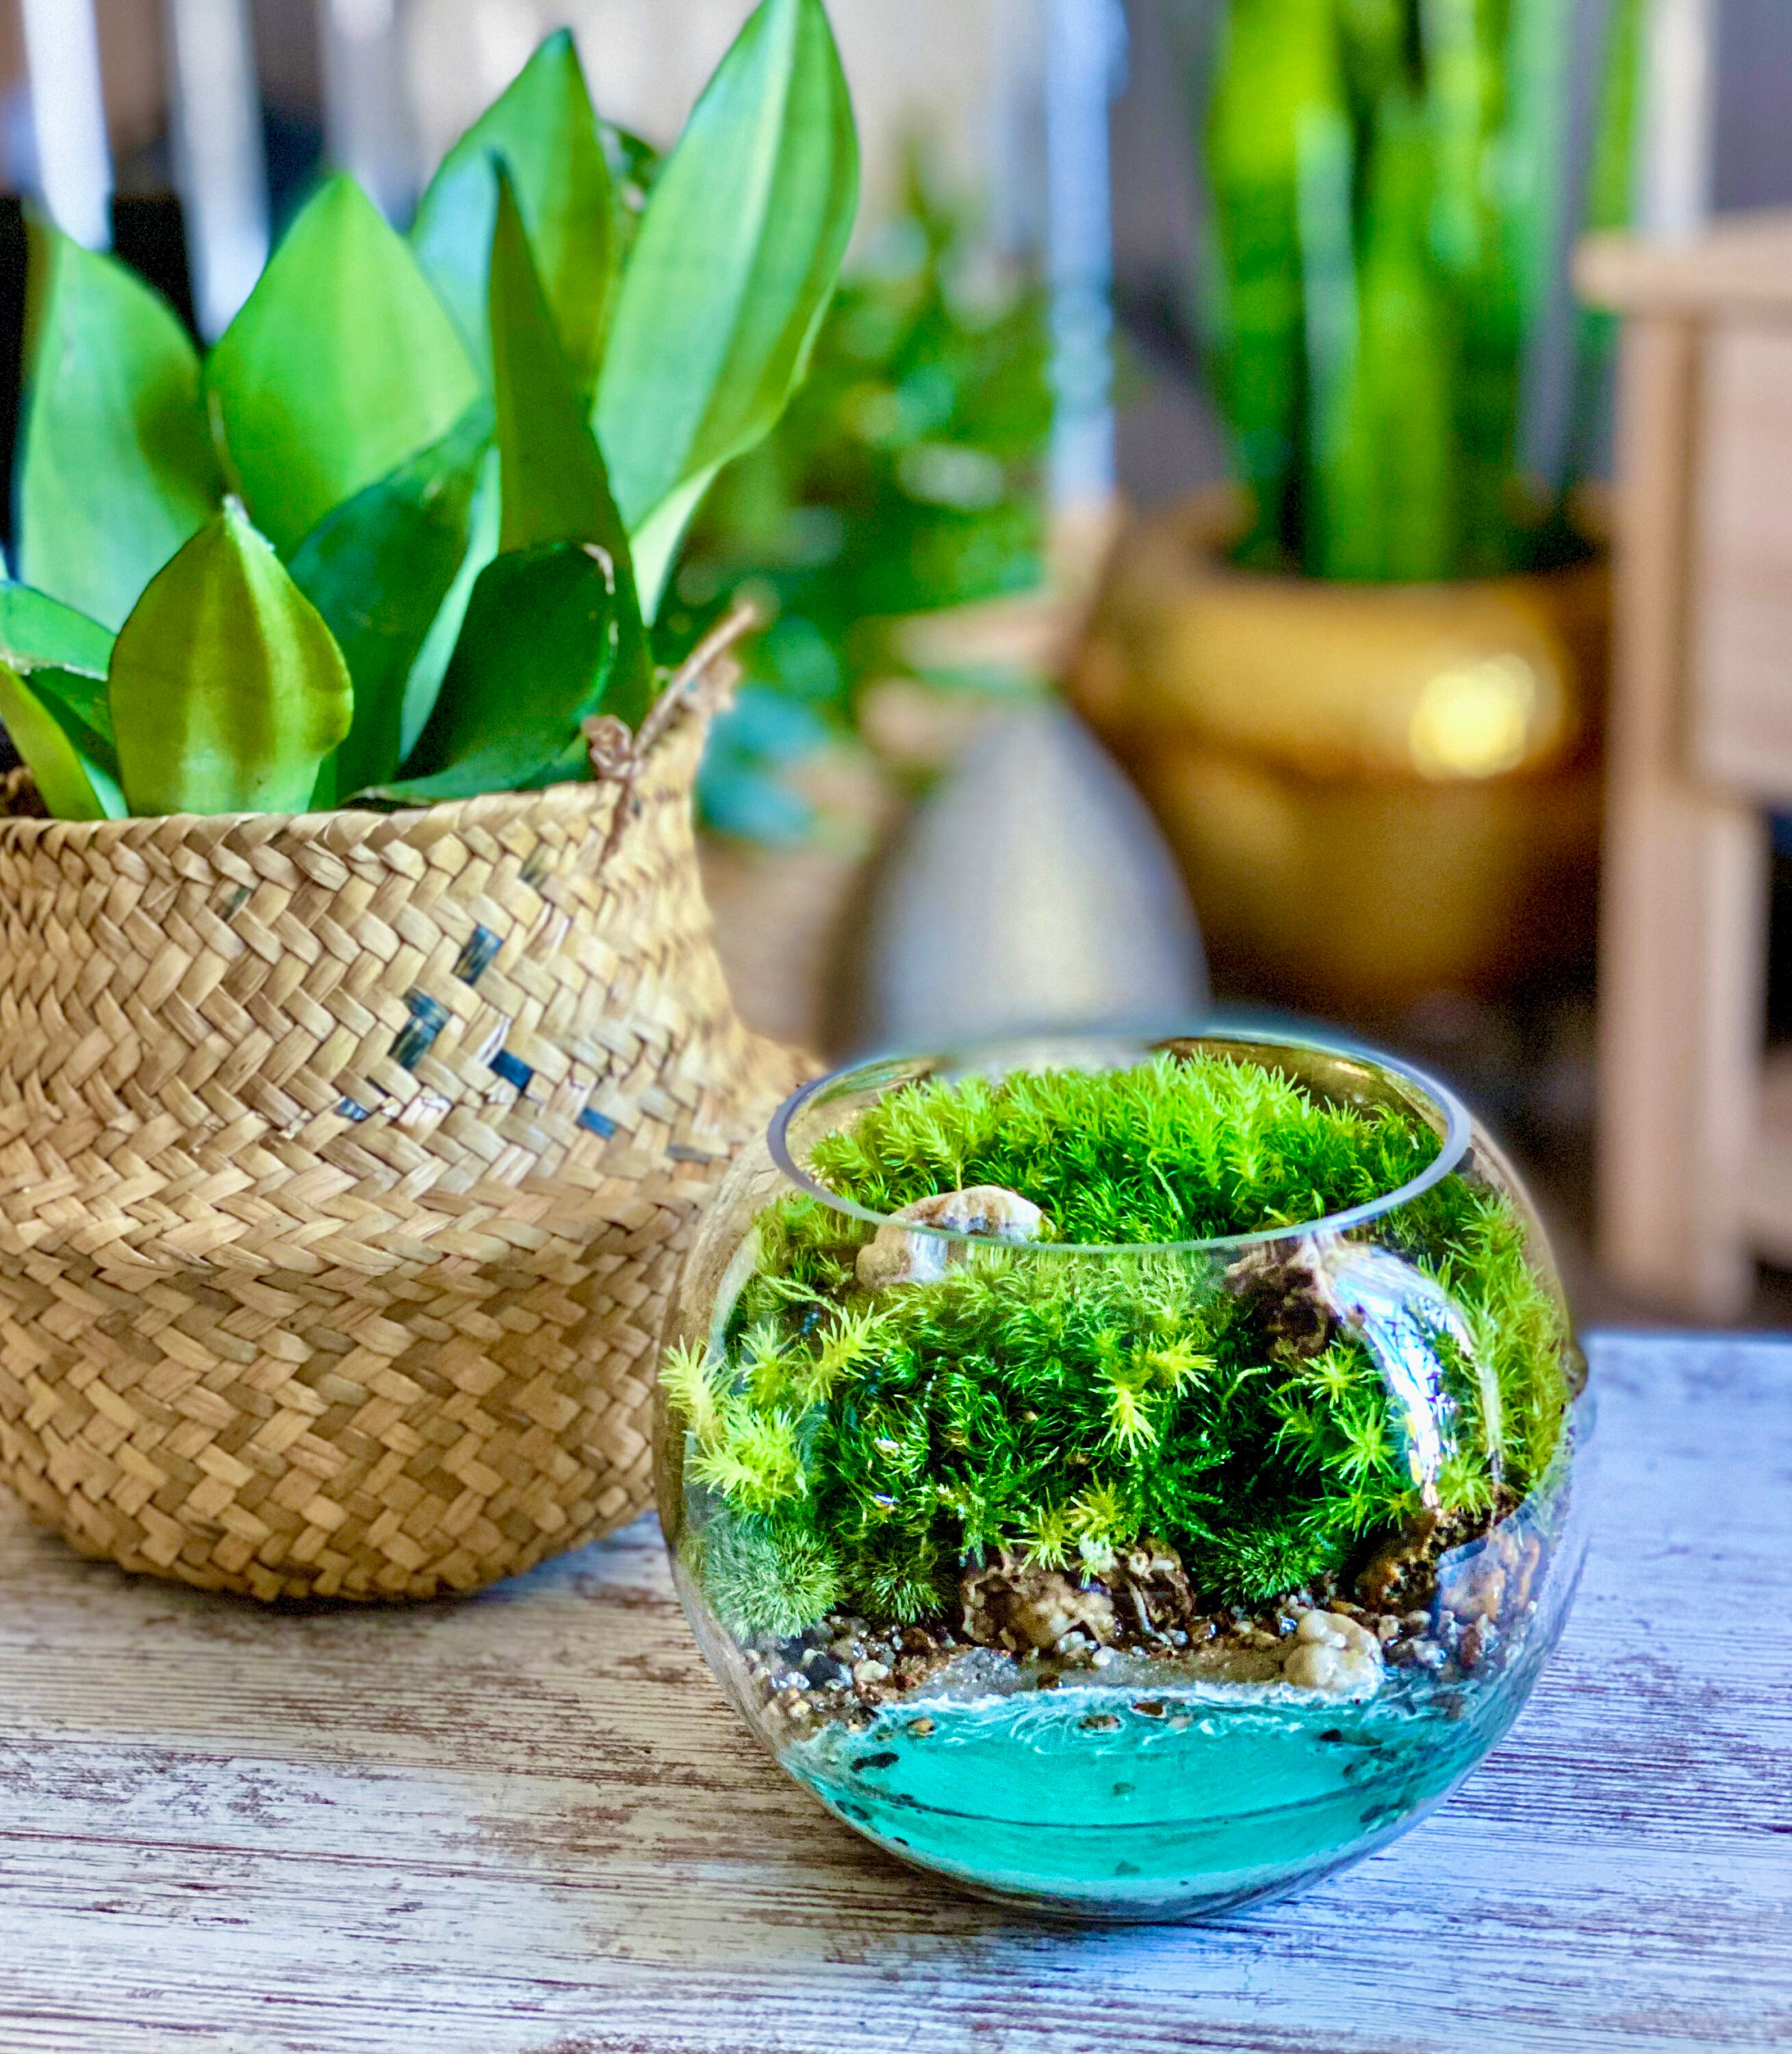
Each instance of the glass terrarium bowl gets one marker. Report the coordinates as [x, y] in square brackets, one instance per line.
[1097, 1565]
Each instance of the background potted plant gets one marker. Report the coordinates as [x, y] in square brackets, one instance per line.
[367, 1054]
[1362, 693]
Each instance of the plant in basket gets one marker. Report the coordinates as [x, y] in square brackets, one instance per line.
[368, 1054]
[1132, 1479]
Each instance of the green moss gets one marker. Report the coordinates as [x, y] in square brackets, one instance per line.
[1170, 1150]
[1067, 1406]
[764, 1577]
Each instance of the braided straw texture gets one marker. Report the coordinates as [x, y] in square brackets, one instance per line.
[346, 1163]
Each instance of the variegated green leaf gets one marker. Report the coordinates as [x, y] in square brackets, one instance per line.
[65, 656]
[228, 692]
[377, 569]
[73, 785]
[533, 660]
[36, 629]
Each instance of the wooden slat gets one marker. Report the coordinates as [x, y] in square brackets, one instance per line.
[1742, 262]
[1684, 904]
[1741, 701]
[526, 1824]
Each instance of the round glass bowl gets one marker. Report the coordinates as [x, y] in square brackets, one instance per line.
[1172, 1506]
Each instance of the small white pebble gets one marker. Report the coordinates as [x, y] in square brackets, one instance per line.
[1101, 1658]
[1340, 1672]
[869, 1672]
[1335, 1654]
[1332, 1629]
[1320, 1629]
[1313, 1664]
[987, 1212]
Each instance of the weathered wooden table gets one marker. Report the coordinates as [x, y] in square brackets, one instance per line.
[528, 1824]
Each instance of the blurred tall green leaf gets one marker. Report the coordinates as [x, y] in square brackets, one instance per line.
[1611, 201]
[1389, 182]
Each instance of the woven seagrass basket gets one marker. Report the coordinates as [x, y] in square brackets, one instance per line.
[346, 1162]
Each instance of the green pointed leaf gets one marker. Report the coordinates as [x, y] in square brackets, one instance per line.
[116, 469]
[72, 786]
[378, 570]
[556, 488]
[65, 656]
[83, 704]
[544, 130]
[423, 686]
[36, 629]
[341, 364]
[730, 275]
[533, 661]
[227, 690]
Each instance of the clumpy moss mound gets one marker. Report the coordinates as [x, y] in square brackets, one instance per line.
[1173, 1151]
[868, 1446]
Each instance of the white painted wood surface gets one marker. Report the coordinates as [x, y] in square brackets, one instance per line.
[526, 1824]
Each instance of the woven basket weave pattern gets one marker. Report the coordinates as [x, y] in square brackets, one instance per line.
[345, 1165]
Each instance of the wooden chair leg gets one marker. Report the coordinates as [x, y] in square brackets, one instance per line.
[1684, 945]
[1682, 971]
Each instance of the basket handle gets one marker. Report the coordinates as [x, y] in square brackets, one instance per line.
[702, 686]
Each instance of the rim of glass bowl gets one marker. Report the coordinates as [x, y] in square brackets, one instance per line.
[1458, 1134]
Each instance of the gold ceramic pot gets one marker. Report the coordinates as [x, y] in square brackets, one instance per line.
[1377, 791]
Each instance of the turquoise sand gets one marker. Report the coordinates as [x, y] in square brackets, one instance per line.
[1138, 1803]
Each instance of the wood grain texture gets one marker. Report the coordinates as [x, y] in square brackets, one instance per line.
[1742, 264]
[1741, 561]
[525, 1824]
[1683, 899]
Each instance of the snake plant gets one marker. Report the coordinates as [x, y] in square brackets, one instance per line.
[1389, 182]
[407, 526]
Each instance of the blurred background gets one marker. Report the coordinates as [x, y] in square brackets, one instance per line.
[1188, 566]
